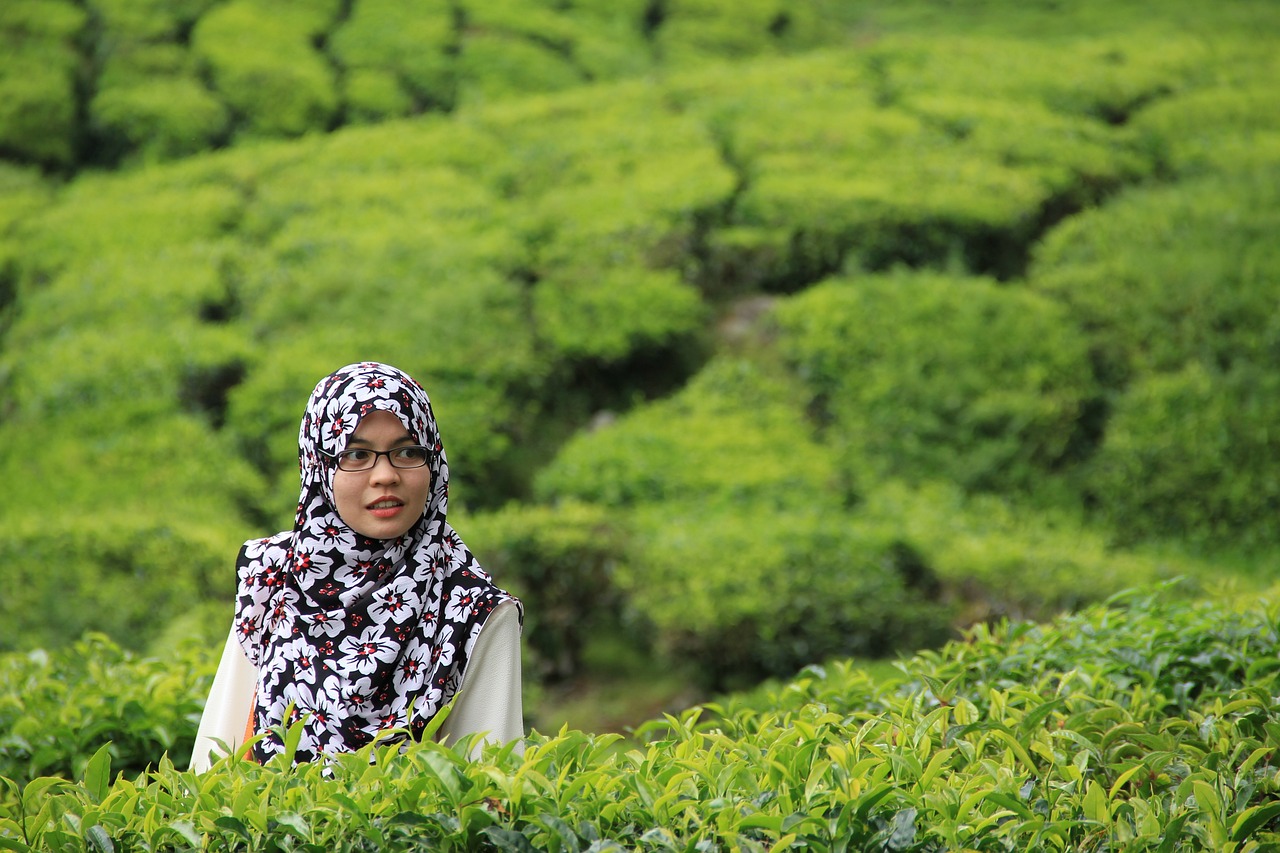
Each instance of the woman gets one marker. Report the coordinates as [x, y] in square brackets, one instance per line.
[370, 614]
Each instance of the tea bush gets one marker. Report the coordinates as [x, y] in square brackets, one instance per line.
[923, 377]
[762, 592]
[1224, 126]
[395, 59]
[1186, 455]
[57, 709]
[38, 79]
[741, 536]
[732, 437]
[1164, 276]
[262, 62]
[913, 171]
[156, 120]
[1018, 737]
[562, 562]
[997, 557]
[253, 69]
[1175, 288]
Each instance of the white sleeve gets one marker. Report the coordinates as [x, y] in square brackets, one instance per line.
[226, 713]
[489, 702]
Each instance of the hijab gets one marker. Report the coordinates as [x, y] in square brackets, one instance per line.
[353, 635]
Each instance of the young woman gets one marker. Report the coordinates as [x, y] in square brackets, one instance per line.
[370, 614]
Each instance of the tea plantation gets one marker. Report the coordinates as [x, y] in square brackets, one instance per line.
[771, 341]
[1146, 724]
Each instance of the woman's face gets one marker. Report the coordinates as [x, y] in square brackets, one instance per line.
[382, 502]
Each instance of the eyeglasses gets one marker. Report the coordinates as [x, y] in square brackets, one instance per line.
[409, 456]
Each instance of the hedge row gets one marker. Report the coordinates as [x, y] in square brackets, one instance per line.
[539, 260]
[109, 82]
[1052, 737]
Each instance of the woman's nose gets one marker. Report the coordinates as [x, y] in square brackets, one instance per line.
[383, 471]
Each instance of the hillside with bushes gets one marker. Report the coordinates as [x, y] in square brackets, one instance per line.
[762, 336]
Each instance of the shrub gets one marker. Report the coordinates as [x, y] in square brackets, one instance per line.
[497, 66]
[761, 592]
[1187, 455]
[922, 174]
[151, 21]
[731, 438]
[1019, 737]
[1000, 558]
[371, 95]
[692, 32]
[1165, 276]
[168, 219]
[264, 66]
[933, 377]
[615, 313]
[396, 58]
[37, 104]
[561, 562]
[158, 120]
[124, 572]
[1225, 128]
[57, 709]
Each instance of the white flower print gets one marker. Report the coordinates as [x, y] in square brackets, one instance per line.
[323, 624]
[412, 669]
[311, 565]
[462, 603]
[356, 568]
[396, 601]
[442, 650]
[363, 654]
[302, 654]
[328, 531]
[357, 695]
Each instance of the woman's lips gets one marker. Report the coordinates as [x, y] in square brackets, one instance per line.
[386, 507]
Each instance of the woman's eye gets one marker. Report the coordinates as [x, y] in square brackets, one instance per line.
[411, 454]
[356, 456]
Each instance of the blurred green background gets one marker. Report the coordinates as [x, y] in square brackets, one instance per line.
[760, 332]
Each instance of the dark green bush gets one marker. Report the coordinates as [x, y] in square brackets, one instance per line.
[997, 557]
[152, 21]
[125, 571]
[1188, 456]
[1165, 276]
[160, 119]
[919, 173]
[694, 32]
[934, 377]
[396, 59]
[615, 313]
[733, 437]
[760, 592]
[498, 66]
[561, 562]
[1216, 129]
[58, 708]
[263, 64]
[170, 219]
[37, 105]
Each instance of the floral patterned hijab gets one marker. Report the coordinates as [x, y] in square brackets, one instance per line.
[358, 635]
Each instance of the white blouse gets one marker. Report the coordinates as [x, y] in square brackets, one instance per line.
[489, 702]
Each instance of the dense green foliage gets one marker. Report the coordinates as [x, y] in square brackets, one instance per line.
[58, 709]
[751, 308]
[762, 335]
[104, 82]
[1147, 725]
